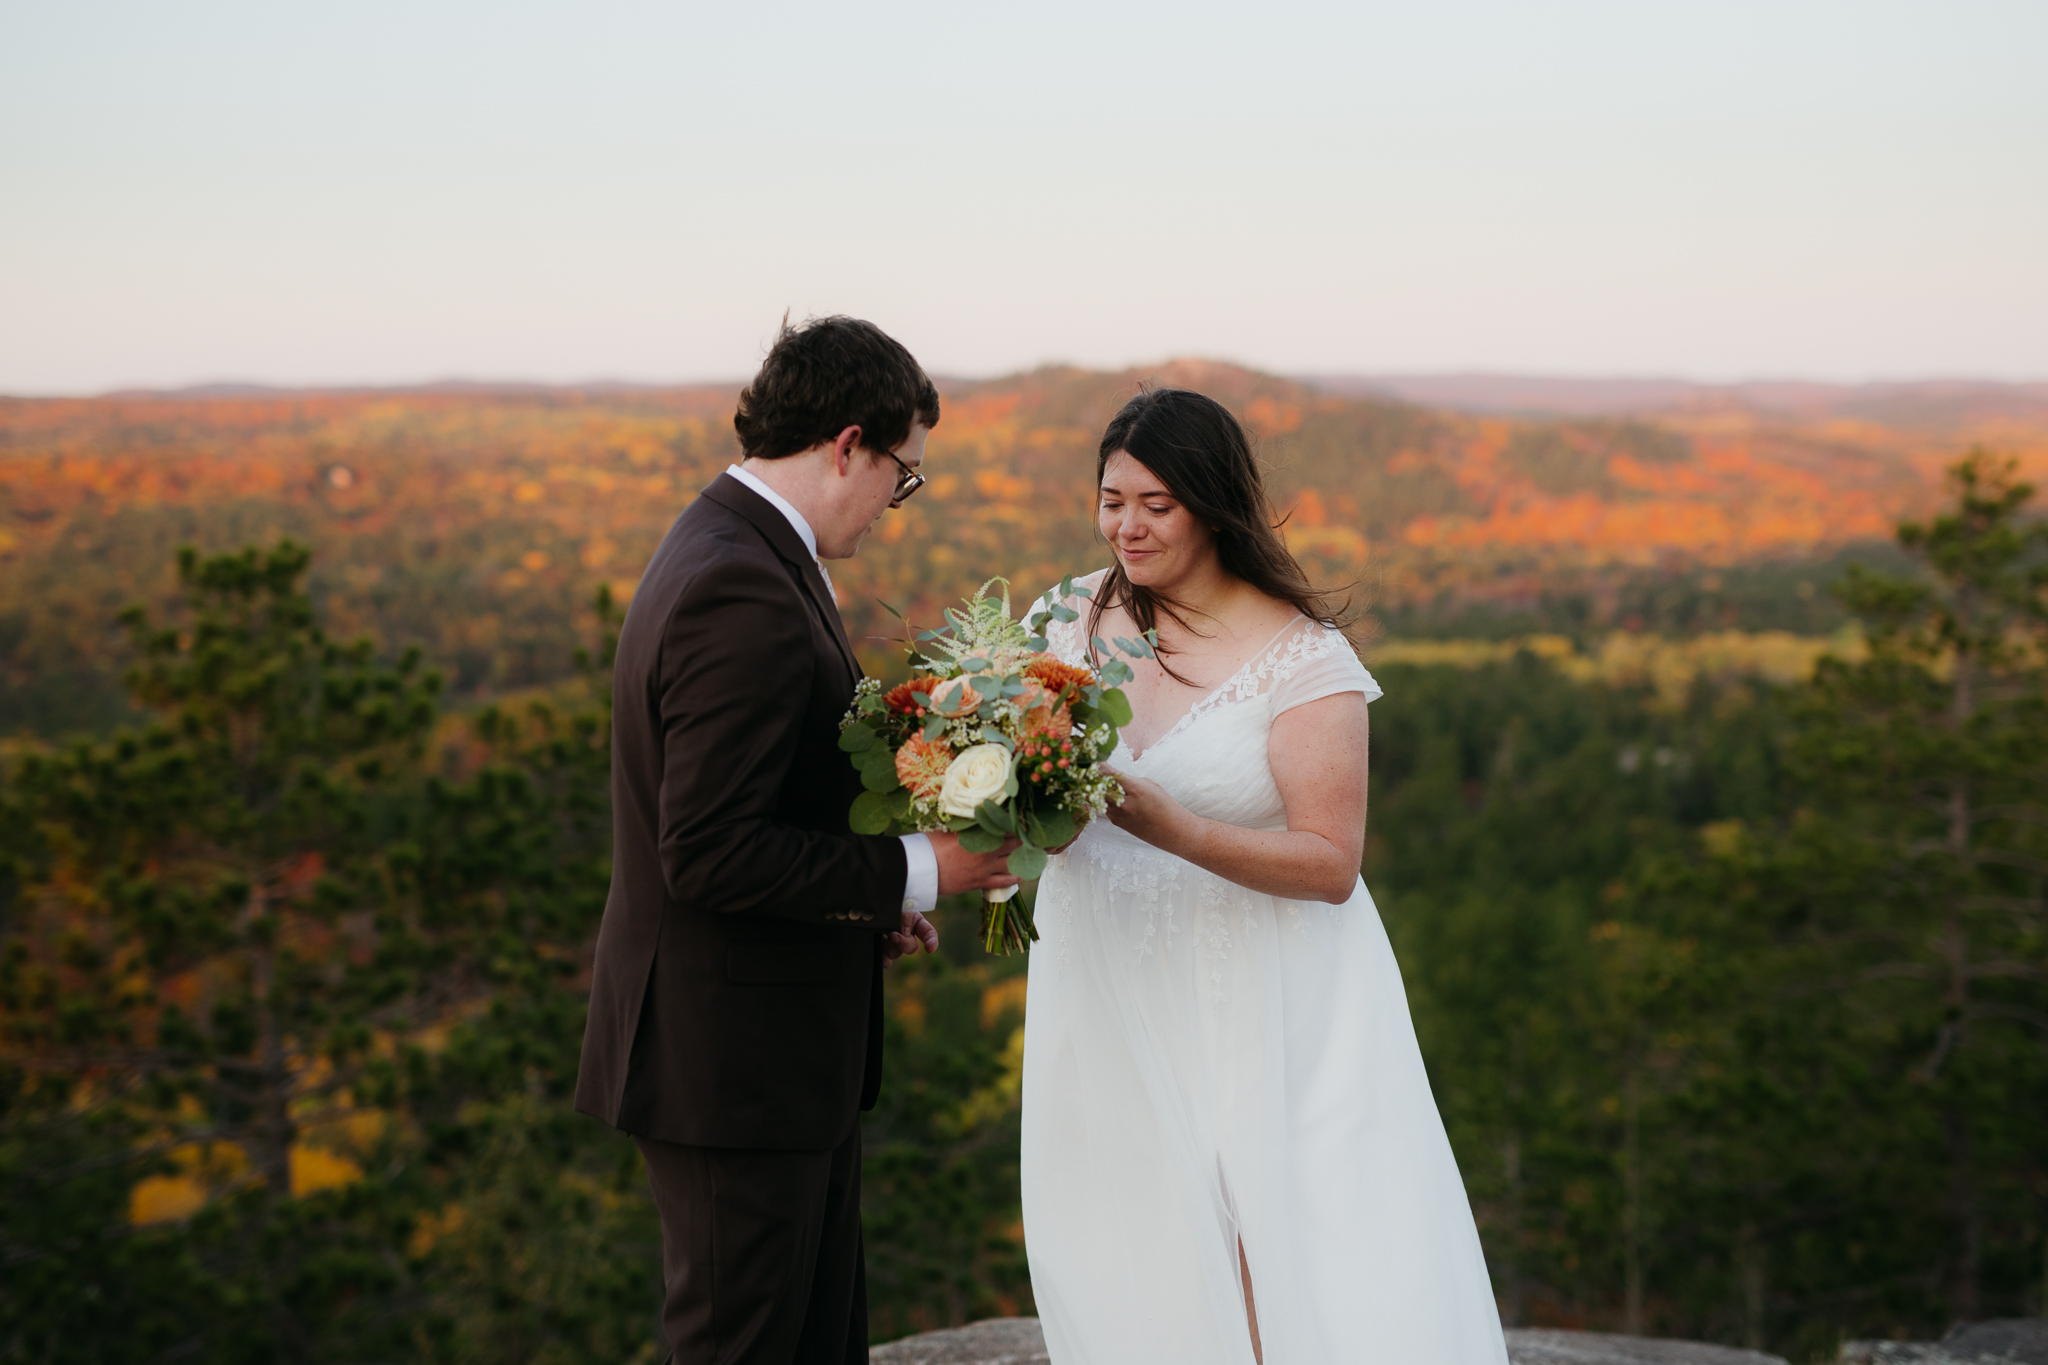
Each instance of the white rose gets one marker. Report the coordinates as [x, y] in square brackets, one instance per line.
[979, 774]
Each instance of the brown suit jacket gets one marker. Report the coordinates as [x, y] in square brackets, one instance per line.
[736, 998]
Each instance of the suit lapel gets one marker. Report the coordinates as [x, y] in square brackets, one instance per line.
[735, 496]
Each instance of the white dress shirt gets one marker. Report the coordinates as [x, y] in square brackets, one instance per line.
[921, 884]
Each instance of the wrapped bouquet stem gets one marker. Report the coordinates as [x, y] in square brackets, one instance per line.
[993, 739]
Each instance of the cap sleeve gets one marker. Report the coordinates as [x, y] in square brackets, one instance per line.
[1322, 664]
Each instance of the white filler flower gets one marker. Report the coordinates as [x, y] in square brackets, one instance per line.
[979, 774]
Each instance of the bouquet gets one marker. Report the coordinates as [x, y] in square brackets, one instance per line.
[992, 738]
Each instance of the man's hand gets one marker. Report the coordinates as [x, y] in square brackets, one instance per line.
[960, 870]
[917, 931]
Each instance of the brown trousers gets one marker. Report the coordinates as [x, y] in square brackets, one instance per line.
[761, 1254]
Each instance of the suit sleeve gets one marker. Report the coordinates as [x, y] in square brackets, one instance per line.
[737, 662]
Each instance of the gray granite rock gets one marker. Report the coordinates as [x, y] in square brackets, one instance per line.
[998, 1341]
[2021, 1339]
[1017, 1341]
[2004, 1341]
[1540, 1346]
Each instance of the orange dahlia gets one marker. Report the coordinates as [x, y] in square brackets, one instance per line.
[898, 698]
[1044, 713]
[921, 764]
[1057, 676]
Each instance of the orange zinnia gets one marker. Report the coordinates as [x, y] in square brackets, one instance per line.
[921, 764]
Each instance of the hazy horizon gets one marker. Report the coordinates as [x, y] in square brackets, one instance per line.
[230, 387]
[390, 194]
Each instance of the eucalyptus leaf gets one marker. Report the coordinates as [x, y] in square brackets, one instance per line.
[1064, 614]
[995, 736]
[855, 739]
[870, 814]
[995, 818]
[978, 840]
[878, 770]
[1052, 829]
[1027, 862]
[1095, 642]
[891, 610]
[1116, 707]
[1038, 644]
[899, 803]
[934, 726]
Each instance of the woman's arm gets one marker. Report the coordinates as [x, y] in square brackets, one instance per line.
[1318, 753]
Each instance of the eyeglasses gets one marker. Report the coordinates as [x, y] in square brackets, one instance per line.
[909, 483]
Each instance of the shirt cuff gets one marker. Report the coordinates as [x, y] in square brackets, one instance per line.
[921, 874]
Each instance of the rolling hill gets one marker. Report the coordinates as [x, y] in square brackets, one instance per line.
[476, 521]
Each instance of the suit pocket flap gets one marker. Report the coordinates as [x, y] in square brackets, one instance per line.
[768, 963]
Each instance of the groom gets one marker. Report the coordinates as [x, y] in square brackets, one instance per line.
[736, 999]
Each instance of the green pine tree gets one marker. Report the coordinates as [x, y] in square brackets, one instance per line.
[1928, 764]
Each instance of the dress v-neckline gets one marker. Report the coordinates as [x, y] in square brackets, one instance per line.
[1200, 703]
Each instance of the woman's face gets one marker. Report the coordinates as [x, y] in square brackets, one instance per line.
[1159, 542]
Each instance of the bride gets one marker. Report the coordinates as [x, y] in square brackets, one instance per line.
[1230, 1150]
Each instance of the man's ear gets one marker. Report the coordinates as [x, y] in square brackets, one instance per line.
[843, 446]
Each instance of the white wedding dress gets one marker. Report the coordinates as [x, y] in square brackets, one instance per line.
[1205, 1064]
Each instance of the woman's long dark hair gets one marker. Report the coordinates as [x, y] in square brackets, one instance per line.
[1202, 455]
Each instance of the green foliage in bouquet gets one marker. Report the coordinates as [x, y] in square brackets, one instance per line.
[994, 739]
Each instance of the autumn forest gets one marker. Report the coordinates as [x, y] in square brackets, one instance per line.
[1709, 821]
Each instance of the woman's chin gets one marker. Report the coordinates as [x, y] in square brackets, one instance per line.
[1143, 571]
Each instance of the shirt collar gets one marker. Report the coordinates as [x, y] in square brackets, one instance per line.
[781, 504]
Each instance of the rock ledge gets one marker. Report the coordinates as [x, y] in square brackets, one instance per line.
[2002, 1341]
[1018, 1341]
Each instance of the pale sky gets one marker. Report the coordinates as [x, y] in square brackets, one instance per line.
[378, 192]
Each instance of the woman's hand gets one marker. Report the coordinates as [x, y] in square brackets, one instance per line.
[1149, 813]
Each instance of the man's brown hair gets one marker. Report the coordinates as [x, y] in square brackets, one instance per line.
[825, 376]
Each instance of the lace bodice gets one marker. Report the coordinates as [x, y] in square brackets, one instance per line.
[1213, 759]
